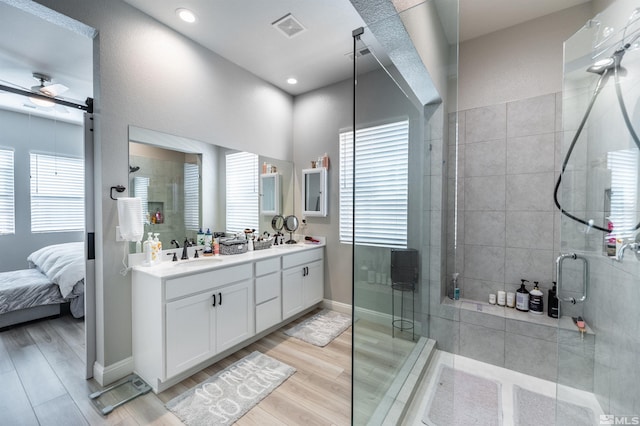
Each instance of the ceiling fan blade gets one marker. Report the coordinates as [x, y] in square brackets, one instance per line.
[53, 90]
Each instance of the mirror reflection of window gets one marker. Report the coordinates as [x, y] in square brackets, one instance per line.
[141, 190]
[623, 165]
[191, 196]
[242, 185]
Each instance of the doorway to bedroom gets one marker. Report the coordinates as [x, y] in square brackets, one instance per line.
[46, 182]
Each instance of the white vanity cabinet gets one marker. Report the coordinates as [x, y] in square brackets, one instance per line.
[268, 293]
[302, 281]
[188, 315]
[181, 322]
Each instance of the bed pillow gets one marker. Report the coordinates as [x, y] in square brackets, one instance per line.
[63, 264]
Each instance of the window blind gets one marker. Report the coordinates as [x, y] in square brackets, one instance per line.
[624, 188]
[191, 196]
[381, 185]
[7, 199]
[141, 190]
[242, 191]
[57, 193]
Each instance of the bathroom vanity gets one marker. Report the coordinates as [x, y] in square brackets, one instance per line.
[190, 314]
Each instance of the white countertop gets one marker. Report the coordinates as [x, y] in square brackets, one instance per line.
[169, 269]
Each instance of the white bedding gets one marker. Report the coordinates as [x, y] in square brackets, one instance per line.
[63, 264]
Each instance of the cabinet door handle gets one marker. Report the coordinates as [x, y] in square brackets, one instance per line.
[220, 301]
[214, 300]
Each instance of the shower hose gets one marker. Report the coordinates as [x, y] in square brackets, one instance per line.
[617, 57]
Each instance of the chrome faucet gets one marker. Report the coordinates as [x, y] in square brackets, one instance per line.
[634, 246]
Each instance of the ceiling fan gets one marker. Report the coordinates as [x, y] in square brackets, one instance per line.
[51, 90]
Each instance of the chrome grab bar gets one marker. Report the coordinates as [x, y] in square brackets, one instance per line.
[585, 276]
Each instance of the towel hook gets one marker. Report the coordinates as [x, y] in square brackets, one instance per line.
[118, 188]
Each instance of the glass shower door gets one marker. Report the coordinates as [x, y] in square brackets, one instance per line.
[381, 180]
[599, 194]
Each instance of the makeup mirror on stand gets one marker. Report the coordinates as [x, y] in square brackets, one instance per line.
[291, 225]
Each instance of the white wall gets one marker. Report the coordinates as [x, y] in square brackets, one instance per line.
[519, 62]
[24, 134]
[152, 77]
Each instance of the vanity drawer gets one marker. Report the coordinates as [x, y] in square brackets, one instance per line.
[267, 287]
[268, 314]
[296, 259]
[196, 283]
[267, 266]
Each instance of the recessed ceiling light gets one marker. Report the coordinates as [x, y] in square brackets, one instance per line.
[292, 80]
[186, 15]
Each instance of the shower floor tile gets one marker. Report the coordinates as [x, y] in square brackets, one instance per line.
[510, 381]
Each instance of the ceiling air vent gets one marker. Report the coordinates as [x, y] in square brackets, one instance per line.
[289, 26]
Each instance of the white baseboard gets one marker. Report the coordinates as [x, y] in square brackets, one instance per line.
[111, 373]
[332, 305]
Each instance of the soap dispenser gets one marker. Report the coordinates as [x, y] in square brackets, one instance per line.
[208, 239]
[553, 310]
[536, 303]
[147, 247]
[200, 237]
[522, 297]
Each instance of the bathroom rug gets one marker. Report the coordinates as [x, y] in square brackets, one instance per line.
[532, 409]
[463, 399]
[228, 395]
[322, 328]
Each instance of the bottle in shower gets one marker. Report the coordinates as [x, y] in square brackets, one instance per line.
[536, 303]
[452, 286]
[552, 310]
[522, 297]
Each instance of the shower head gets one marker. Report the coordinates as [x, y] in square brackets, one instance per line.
[599, 67]
[613, 61]
[133, 169]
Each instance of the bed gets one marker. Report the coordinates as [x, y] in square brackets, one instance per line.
[55, 277]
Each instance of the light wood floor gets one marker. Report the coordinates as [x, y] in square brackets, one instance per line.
[42, 381]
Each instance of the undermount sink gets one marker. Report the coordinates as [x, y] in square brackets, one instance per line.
[203, 259]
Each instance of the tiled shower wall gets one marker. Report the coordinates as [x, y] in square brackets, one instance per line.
[506, 164]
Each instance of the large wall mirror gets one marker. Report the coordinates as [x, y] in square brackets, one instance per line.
[186, 184]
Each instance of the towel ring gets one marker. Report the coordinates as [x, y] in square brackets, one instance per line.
[118, 188]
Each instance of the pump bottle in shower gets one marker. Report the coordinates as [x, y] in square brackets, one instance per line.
[522, 297]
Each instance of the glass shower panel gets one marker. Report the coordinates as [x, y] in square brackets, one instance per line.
[384, 183]
[599, 193]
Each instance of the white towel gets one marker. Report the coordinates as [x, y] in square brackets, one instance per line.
[130, 218]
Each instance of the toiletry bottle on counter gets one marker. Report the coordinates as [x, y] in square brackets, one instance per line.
[200, 237]
[522, 297]
[156, 246]
[208, 241]
[536, 302]
[553, 311]
[147, 247]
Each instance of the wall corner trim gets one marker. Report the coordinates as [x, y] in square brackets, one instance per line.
[111, 373]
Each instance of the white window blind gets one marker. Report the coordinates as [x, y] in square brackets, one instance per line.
[191, 196]
[57, 193]
[242, 191]
[381, 185]
[7, 199]
[141, 190]
[624, 187]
